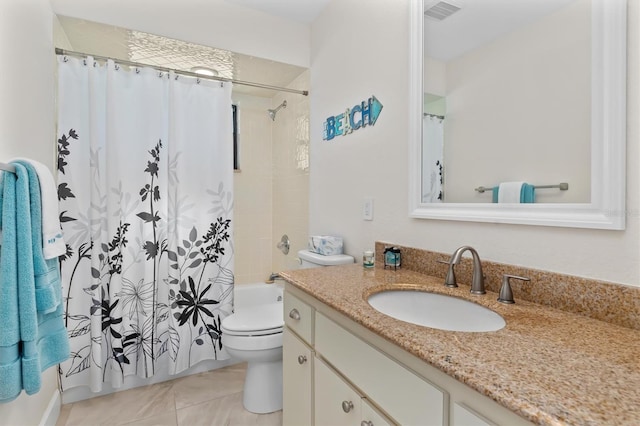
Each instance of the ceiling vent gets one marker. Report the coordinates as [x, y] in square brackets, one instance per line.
[441, 10]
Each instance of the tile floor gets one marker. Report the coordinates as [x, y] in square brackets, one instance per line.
[209, 398]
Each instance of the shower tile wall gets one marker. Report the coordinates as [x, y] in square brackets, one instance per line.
[290, 135]
[272, 189]
[253, 191]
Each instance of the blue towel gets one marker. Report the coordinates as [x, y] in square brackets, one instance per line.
[494, 194]
[31, 339]
[527, 193]
[10, 366]
[51, 346]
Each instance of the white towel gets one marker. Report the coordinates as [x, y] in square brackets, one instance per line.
[509, 192]
[52, 241]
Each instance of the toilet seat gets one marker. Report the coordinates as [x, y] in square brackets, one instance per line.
[253, 343]
[250, 333]
[255, 321]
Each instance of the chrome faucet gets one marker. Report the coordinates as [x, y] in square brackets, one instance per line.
[477, 281]
[274, 276]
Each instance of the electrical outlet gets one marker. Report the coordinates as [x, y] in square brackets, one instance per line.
[367, 209]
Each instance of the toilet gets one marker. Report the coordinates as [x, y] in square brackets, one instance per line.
[253, 333]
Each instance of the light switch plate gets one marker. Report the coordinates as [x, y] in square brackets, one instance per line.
[367, 209]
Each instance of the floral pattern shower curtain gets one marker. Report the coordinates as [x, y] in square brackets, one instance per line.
[145, 168]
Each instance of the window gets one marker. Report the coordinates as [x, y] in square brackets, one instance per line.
[236, 165]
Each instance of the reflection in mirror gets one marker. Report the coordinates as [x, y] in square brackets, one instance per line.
[529, 91]
[435, 109]
[514, 83]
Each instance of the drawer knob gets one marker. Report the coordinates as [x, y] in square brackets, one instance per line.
[366, 423]
[302, 359]
[294, 314]
[347, 406]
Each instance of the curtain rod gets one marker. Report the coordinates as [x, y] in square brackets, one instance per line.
[180, 72]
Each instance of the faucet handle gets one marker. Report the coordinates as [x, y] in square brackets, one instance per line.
[450, 280]
[506, 296]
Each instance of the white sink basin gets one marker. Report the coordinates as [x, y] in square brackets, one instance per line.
[436, 311]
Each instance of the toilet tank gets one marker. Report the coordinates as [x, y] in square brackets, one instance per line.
[309, 259]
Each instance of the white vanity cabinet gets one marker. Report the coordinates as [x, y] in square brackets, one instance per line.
[378, 382]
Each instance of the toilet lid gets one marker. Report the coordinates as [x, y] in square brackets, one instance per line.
[256, 318]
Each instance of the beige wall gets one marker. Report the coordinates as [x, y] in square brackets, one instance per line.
[374, 161]
[435, 76]
[27, 130]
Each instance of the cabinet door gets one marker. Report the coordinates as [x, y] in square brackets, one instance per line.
[371, 417]
[463, 416]
[297, 369]
[335, 402]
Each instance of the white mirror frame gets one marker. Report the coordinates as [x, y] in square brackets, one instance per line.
[608, 136]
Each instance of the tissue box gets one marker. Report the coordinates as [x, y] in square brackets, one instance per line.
[325, 245]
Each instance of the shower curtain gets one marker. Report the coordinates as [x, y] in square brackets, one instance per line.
[432, 159]
[145, 168]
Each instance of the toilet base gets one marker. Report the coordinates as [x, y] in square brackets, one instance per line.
[263, 387]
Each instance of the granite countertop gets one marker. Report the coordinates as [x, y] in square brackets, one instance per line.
[549, 366]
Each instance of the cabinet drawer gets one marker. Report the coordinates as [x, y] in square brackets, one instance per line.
[297, 369]
[406, 397]
[336, 403]
[298, 316]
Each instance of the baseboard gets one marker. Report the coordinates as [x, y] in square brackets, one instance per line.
[50, 415]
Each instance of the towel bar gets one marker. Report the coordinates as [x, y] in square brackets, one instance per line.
[8, 167]
[562, 186]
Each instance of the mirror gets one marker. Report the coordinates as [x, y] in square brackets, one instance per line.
[528, 101]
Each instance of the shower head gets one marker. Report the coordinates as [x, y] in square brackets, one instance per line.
[272, 112]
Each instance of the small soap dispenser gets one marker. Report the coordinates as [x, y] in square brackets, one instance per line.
[506, 295]
[392, 257]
